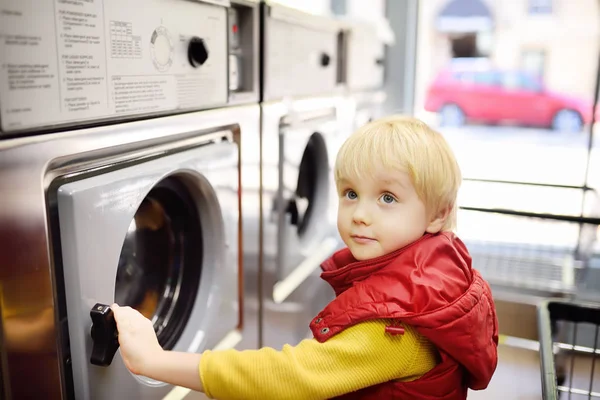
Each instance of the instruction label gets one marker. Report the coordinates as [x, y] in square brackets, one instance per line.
[66, 61]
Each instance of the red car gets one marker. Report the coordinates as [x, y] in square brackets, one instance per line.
[477, 91]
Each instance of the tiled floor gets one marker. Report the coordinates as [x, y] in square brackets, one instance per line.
[517, 377]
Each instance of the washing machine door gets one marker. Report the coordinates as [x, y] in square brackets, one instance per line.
[307, 200]
[160, 236]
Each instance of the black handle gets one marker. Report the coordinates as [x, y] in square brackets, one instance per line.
[105, 336]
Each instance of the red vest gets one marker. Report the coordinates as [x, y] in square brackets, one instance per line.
[431, 286]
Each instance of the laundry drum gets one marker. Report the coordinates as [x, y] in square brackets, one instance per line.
[161, 260]
[313, 185]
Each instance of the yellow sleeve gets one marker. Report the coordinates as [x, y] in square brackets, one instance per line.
[358, 357]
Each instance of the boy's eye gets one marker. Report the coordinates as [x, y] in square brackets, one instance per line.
[388, 198]
[351, 194]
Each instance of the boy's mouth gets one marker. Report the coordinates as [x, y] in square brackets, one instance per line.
[362, 239]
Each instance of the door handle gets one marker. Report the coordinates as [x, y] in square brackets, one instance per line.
[105, 336]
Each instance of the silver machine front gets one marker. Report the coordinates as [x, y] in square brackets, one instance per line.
[127, 126]
[302, 128]
[364, 46]
[322, 78]
[299, 213]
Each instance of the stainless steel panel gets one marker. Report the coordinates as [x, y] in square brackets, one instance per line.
[68, 62]
[31, 323]
[367, 106]
[364, 57]
[292, 289]
[300, 53]
[244, 52]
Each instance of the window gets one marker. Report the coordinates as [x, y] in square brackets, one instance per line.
[530, 83]
[521, 116]
[464, 77]
[517, 81]
[488, 78]
[537, 7]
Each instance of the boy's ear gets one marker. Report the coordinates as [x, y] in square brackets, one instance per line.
[438, 221]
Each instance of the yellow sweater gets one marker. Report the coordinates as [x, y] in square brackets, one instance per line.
[360, 356]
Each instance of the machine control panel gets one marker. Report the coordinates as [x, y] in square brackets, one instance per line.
[364, 57]
[243, 31]
[300, 53]
[63, 63]
[234, 49]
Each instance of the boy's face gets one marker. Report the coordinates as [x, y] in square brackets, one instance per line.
[381, 214]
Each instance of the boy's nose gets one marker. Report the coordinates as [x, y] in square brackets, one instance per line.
[361, 215]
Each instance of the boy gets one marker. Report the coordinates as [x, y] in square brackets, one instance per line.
[411, 318]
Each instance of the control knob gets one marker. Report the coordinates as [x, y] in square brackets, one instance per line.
[197, 52]
[325, 59]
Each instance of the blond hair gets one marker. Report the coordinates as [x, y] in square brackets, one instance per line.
[405, 144]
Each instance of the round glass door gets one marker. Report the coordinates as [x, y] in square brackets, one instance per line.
[161, 260]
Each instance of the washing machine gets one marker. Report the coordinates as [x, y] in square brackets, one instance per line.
[125, 138]
[302, 130]
[364, 45]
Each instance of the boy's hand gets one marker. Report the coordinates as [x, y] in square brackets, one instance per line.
[138, 341]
